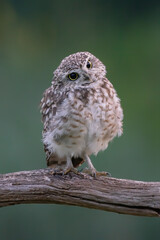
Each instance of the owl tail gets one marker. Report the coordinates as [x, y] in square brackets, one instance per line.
[53, 161]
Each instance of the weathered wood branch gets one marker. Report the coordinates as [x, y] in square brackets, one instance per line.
[109, 194]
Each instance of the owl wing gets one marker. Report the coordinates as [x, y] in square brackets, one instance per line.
[48, 105]
[48, 109]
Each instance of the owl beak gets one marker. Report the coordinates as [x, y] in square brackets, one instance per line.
[87, 77]
[87, 80]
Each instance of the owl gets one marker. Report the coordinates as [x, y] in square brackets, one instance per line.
[81, 113]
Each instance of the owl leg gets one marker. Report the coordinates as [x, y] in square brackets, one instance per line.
[69, 167]
[91, 169]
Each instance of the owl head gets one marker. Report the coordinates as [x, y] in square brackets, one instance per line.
[81, 69]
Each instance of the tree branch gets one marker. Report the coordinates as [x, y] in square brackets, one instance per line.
[109, 194]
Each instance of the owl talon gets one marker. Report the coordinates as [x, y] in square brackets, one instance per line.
[95, 173]
[57, 171]
[106, 174]
[89, 171]
[53, 172]
[64, 172]
[67, 170]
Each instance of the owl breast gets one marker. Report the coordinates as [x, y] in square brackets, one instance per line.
[103, 118]
[87, 120]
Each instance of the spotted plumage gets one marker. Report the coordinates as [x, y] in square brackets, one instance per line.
[81, 113]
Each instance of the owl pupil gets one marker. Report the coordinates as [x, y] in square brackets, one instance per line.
[73, 76]
[88, 65]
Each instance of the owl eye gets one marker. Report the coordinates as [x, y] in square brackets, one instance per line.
[89, 64]
[73, 76]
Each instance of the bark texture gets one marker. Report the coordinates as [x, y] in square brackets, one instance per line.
[104, 193]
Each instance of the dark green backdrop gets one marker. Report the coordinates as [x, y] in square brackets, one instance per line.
[34, 37]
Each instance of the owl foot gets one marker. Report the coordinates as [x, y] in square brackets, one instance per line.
[56, 170]
[70, 169]
[105, 174]
[60, 171]
[91, 170]
[94, 173]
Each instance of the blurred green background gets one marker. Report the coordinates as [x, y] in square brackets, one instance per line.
[34, 37]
